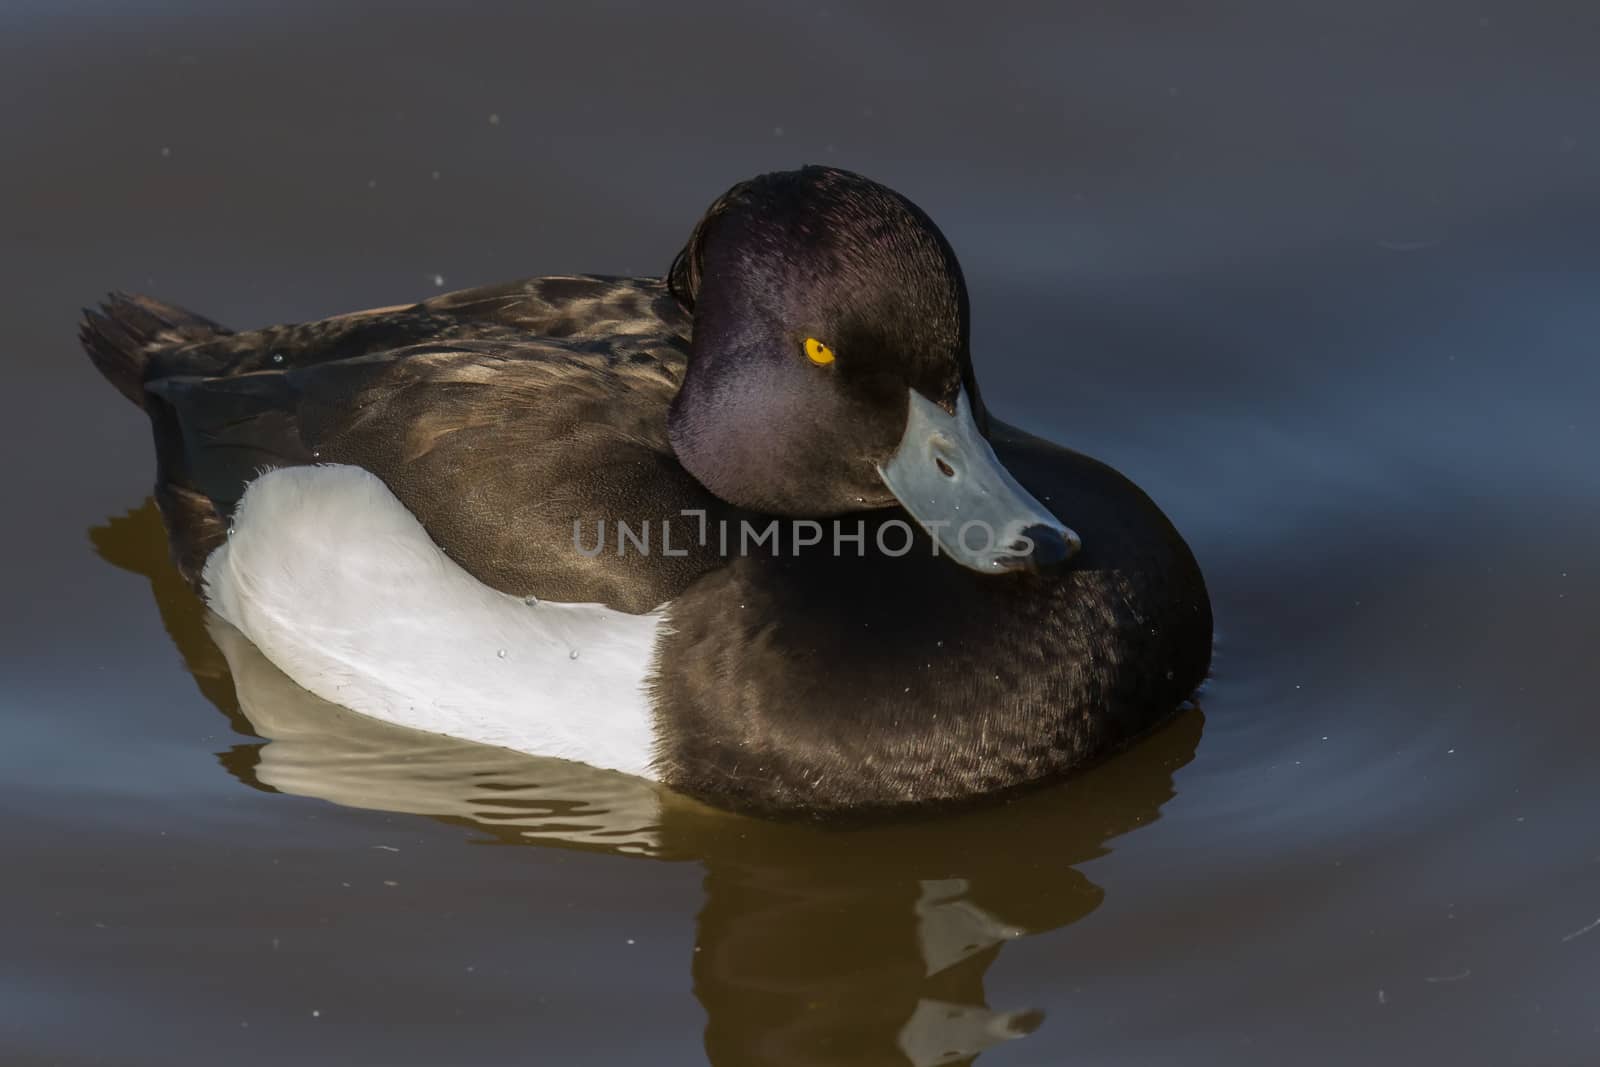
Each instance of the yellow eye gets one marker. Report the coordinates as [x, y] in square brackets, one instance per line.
[817, 352]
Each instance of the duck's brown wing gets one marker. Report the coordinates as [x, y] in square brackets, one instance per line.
[500, 415]
[507, 451]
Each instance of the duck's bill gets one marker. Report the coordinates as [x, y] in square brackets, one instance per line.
[946, 475]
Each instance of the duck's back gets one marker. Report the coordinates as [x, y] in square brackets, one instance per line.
[511, 420]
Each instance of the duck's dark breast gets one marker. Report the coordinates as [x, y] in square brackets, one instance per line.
[823, 684]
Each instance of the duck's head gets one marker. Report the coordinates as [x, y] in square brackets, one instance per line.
[830, 369]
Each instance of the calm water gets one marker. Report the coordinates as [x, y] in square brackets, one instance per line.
[1322, 278]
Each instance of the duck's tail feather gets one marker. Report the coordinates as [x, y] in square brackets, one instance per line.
[128, 329]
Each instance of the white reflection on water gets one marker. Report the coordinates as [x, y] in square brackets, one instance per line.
[318, 749]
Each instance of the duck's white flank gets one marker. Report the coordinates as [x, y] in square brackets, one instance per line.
[343, 590]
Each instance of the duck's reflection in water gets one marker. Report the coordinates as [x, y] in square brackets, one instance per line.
[814, 945]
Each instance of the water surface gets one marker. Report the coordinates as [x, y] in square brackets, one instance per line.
[1321, 279]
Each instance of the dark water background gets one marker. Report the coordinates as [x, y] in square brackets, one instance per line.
[1321, 277]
